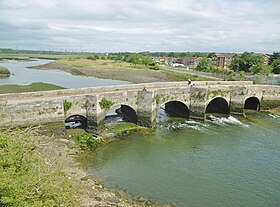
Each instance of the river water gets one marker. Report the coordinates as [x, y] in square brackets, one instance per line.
[22, 75]
[228, 161]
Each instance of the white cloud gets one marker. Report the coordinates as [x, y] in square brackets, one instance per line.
[155, 25]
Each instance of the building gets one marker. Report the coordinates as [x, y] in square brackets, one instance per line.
[223, 60]
[265, 58]
[188, 61]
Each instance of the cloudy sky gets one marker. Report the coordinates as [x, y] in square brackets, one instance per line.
[141, 25]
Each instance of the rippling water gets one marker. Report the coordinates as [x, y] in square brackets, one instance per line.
[226, 161]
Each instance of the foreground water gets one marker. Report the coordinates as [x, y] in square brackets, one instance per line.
[22, 75]
[224, 162]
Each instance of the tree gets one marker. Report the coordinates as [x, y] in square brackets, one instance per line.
[204, 64]
[171, 54]
[276, 66]
[248, 62]
[274, 56]
[211, 54]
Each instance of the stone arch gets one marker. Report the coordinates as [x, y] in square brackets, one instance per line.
[126, 112]
[177, 109]
[252, 103]
[76, 121]
[217, 105]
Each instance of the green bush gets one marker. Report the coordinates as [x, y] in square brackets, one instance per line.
[27, 178]
[106, 104]
[66, 105]
[4, 71]
[87, 141]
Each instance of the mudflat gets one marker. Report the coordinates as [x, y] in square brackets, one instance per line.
[109, 69]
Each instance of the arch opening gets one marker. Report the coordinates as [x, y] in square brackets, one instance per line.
[76, 121]
[218, 105]
[252, 103]
[121, 113]
[173, 109]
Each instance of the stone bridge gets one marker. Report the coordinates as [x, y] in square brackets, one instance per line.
[139, 103]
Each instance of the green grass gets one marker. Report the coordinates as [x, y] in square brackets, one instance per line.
[27, 177]
[121, 127]
[4, 71]
[28, 88]
[102, 64]
[184, 76]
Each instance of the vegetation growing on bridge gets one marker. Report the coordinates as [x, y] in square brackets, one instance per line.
[106, 104]
[66, 105]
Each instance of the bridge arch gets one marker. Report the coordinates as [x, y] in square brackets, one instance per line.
[123, 111]
[76, 121]
[176, 109]
[252, 103]
[218, 105]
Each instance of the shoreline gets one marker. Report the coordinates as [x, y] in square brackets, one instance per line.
[115, 70]
[94, 193]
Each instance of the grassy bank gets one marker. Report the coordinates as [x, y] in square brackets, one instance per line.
[119, 70]
[38, 168]
[28, 177]
[28, 88]
[4, 71]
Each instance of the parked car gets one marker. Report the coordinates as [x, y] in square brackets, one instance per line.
[73, 124]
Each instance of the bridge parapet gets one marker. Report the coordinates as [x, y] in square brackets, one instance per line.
[144, 99]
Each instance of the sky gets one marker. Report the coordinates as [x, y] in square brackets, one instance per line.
[141, 25]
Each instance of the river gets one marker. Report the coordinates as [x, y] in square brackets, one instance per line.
[228, 161]
[23, 75]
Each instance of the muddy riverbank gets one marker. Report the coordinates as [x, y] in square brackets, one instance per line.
[115, 70]
[61, 146]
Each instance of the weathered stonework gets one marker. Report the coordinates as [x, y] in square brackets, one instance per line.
[44, 107]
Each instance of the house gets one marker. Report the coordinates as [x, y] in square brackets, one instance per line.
[223, 60]
[188, 61]
[265, 58]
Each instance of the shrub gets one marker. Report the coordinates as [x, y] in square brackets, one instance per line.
[4, 71]
[106, 104]
[87, 141]
[66, 105]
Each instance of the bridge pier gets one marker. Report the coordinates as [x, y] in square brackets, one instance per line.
[146, 108]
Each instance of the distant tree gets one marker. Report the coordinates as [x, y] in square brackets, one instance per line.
[248, 62]
[145, 60]
[274, 56]
[183, 54]
[199, 54]
[211, 54]
[276, 66]
[134, 59]
[204, 64]
[96, 56]
[171, 54]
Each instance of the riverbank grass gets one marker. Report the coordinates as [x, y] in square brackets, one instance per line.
[29, 178]
[28, 88]
[119, 70]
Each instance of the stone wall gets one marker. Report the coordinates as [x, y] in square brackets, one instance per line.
[145, 99]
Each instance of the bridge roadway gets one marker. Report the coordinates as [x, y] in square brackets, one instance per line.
[139, 102]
